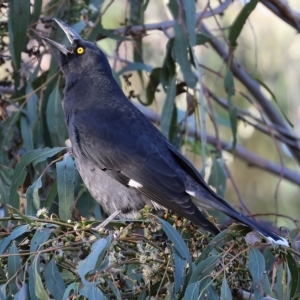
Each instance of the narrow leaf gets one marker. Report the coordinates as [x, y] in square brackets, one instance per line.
[192, 291]
[90, 262]
[74, 288]
[230, 90]
[39, 289]
[135, 66]
[55, 118]
[181, 53]
[23, 293]
[295, 273]
[167, 111]
[218, 176]
[65, 186]
[54, 281]
[16, 211]
[92, 292]
[154, 80]
[18, 21]
[39, 238]
[240, 21]
[179, 273]
[14, 268]
[225, 290]
[17, 231]
[19, 175]
[190, 10]
[32, 197]
[176, 239]
[275, 100]
[257, 268]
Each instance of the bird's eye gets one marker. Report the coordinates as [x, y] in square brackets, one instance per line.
[80, 50]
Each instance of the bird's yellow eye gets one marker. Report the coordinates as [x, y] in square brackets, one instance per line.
[80, 50]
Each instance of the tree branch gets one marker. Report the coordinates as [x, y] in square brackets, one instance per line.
[251, 158]
[254, 88]
[128, 30]
[283, 11]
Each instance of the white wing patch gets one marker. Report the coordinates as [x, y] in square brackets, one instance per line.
[158, 206]
[191, 193]
[134, 184]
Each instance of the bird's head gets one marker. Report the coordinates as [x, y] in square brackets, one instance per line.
[82, 56]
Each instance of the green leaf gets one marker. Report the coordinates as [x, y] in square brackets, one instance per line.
[201, 39]
[274, 98]
[18, 22]
[34, 157]
[74, 288]
[295, 274]
[89, 264]
[168, 68]
[54, 281]
[26, 133]
[39, 289]
[257, 268]
[136, 18]
[31, 284]
[102, 32]
[230, 90]
[218, 241]
[181, 52]
[269, 258]
[51, 195]
[39, 238]
[135, 66]
[192, 291]
[23, 293]
[190, 20]
[225, 290]
[17, 231]
[176, 239]
[37, 5]
[218, 176]
[32, 197]
[14, 268]
[154, 80]
[65, 186]
[240, 21]
[6, 136]
[16, 211]
[168, 108]
[179, 272]
[92, 292]
[204, 268]
[115, 290]
[207, 290]
[55, 118]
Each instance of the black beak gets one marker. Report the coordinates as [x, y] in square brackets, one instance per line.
[70, 33]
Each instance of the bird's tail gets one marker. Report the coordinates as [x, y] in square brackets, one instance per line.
[213, 200]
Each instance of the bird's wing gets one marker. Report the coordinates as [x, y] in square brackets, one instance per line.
[137, 155]
[202, 193]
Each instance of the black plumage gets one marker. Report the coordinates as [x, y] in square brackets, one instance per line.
[122, 158]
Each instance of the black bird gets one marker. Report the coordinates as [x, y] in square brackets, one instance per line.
[124, 161]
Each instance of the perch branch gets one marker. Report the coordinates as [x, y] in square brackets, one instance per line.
[251, 158]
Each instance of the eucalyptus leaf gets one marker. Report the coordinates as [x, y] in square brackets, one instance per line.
[54, 281]
[257, 269]
[14, 268]
[65, 186]
[34, 157]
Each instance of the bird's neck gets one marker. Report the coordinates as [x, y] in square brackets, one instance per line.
[91, 90]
